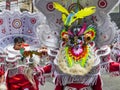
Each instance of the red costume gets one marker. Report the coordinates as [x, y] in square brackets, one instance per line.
[113, 67]
[16, 79]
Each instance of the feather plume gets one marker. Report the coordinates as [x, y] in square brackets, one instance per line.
[60, 8]
[85, 12]
[64, 17]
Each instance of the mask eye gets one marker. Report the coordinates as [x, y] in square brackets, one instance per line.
[88, 37]
[90, 33]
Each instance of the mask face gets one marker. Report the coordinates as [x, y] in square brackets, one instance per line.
[79, 35]
[18, 46]
[89, 34]
[77, 52]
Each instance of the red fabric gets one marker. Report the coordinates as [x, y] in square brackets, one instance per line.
[47, 68]
[1, 72]
[114, 66]
[36, 82]
[98, 84]
[59, 87]
[19, 82]
[76, 85]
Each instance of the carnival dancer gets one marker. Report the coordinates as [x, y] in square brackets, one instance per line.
[77, 63]
[15, 76]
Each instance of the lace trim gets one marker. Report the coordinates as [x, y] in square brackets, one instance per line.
[67, 79]
[71, 88]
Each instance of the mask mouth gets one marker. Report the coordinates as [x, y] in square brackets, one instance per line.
[52, 52]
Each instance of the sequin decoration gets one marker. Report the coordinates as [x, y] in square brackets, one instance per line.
[50, 7]
[33, 20]
[16, 23]
[102, 3]
[1, 21]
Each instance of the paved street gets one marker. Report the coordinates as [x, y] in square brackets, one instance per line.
[110, 83]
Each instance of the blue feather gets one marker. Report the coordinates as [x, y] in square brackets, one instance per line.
[69, 17]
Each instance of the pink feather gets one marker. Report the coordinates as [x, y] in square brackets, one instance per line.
[70, 33]
[82, 29]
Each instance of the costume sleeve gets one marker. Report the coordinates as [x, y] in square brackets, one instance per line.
[43, 70]
[109, 64]
[115, 57]
[114, 66]
[47, 68]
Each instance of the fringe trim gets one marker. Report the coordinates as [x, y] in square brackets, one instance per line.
[115, 54]
[71, 88]
[14, 71]
[113, 74]
[67, 79]
[105, 70]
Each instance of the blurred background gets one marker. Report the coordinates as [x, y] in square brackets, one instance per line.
[27, 5]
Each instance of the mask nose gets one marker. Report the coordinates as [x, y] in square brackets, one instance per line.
[24, 45]
[75, 40]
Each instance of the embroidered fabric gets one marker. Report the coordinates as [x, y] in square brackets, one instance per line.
[63, 79]
[71, 88]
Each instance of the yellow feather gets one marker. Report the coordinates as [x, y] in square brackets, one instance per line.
[85, 12]
[63, 17]
[60, 8]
